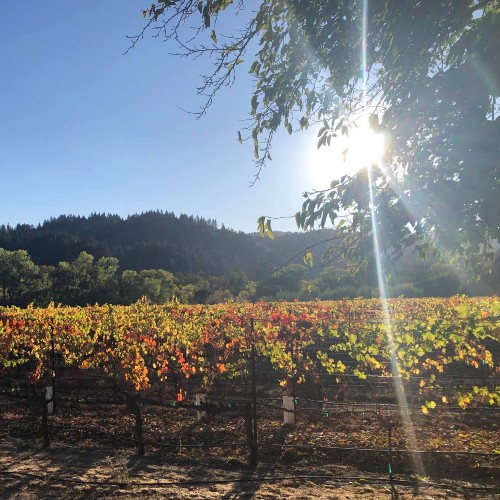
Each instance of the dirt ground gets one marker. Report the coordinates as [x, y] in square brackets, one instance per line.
[28, 471]
[92, 455]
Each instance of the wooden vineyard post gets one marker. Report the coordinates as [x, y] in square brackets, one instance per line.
[53, 366]
[250, 409]
[391, 476]
[252, 458]
[254, 397]
[49, 398]
[291, 346]
[45, 419]
[291, 380]
[200, 399]
[138, 425]
[289, 404]
[319, 366]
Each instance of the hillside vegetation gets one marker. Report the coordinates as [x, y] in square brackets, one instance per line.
[106, 259]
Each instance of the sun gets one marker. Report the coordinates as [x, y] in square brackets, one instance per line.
[346, 155]
[365, 148]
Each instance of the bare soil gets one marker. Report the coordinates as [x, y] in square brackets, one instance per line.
[92, 455]
[64, 472]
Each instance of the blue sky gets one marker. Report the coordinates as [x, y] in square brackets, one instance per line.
[84, 128]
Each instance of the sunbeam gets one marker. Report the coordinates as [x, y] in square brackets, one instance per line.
[381, 278]
[416, 208]
[384, 297]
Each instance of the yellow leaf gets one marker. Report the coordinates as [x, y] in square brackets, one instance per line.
[269, 231]
[308, 258]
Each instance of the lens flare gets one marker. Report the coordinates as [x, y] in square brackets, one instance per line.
[386, 314]
[347, 155]
[381, 277]
[365, 147]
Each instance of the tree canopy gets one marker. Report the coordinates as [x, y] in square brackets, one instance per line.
[425, 73]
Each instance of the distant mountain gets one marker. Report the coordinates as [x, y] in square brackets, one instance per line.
[161, 240]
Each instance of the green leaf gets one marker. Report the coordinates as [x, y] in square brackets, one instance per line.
[340, 223]
[260, 225]
[322, 130]
[269, 231]
[206, 16]
[298, 219]
[255, 103]
[496, 308]
[213, 36]
[463, 311]
[324, 217]
[308, 258]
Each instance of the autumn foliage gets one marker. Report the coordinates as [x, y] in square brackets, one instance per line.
[142, 345]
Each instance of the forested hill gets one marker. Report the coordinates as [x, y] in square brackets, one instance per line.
[157, 240]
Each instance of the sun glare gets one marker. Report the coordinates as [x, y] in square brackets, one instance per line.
[346, 155]
[366, 147]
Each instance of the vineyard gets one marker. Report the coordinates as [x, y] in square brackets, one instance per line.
[409, 385]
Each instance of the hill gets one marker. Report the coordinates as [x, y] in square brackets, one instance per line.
[160, 240]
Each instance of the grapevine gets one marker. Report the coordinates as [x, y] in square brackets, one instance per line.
[142, 346]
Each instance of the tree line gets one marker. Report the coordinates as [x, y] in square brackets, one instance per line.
[87, 280]
[161, 240]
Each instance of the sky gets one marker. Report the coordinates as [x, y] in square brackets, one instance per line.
[85, 128]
